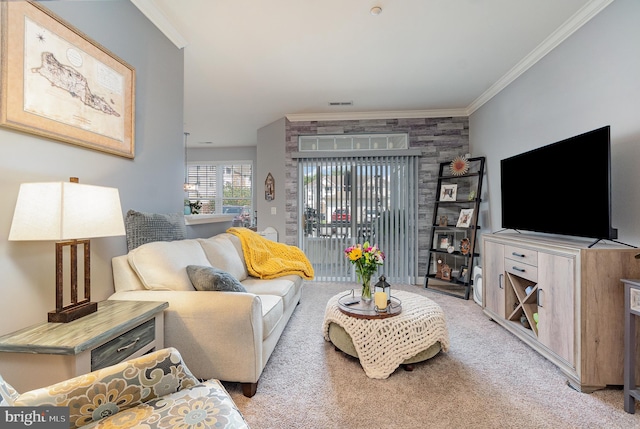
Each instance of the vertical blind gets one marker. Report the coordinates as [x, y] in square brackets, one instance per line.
[350, 200]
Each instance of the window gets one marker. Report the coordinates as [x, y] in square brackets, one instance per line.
[223, 187]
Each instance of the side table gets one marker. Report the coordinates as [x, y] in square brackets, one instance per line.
[47, 353]
[631, 311]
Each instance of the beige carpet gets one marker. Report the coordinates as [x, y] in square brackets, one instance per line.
[488, 379]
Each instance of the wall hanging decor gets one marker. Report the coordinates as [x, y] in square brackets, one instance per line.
[58, 83]
[269, 188]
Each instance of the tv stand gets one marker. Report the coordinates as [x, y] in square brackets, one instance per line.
[564, 298]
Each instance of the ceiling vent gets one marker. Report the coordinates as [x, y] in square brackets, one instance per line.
[341, 103]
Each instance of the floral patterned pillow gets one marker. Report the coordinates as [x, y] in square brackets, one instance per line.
[8, 394]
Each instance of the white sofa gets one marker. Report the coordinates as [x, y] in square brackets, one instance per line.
[223, 335]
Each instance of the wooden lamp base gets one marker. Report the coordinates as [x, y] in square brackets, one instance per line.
[72, 312]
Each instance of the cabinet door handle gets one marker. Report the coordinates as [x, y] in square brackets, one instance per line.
[128, 346]
[519, 269]
[519, 255]
[538, 300]
[500, 281]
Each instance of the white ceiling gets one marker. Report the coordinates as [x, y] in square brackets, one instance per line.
[249, 63]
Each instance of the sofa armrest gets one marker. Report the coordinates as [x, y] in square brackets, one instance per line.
[219, 334]
[107, 391]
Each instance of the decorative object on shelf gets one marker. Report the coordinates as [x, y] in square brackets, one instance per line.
[459, 166]
[443, 220]
[60, 84]
[451, 249]
[269, 188]
[187, 207]
[69, 213]
[366, 259]
[472, 195]
[195, 207]
[525, 321]
[465, 246]
[463, 276]
[465, 218]
[382, 294]
[448, 192]
[444, 240]
[446, 272]
[439, 269]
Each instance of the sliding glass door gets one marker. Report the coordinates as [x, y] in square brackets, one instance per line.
[352, 199]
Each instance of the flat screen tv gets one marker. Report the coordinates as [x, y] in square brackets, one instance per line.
[563, 188]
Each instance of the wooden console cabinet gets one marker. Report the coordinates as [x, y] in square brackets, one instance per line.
[562, 298]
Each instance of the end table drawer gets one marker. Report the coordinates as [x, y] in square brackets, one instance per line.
[120, 348]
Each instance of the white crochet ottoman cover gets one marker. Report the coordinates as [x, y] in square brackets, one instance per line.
[384, 344]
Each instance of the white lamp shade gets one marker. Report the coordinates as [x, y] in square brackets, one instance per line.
[66, 211]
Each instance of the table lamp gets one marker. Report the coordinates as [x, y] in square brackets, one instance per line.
[70, 213]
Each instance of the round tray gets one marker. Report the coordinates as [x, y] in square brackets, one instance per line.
[363, 310]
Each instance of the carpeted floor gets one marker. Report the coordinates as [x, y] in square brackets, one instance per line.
[488, 379]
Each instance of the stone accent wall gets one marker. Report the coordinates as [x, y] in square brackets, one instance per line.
[439, 139]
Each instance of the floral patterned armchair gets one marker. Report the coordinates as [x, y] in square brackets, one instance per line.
[153, 391]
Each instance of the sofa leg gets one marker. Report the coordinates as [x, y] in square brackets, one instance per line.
[249, 389]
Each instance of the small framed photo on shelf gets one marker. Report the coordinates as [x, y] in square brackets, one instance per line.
[444, 241]
[464, 220]
[448, 192]
[463, 276]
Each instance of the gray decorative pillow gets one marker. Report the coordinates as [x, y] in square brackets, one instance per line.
[144, 228]
[213, 279]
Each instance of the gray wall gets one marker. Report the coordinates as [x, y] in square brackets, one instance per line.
[271, 153]
[592, 79]
[150, 182]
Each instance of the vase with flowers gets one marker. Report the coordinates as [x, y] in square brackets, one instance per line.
[366, 259]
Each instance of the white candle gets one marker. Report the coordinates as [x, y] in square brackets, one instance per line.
[380, 298]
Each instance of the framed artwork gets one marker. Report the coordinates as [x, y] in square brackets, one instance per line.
[444, 240]
[58, 83]
[269, 188]
[464, 220]
[448, 192]
[464, 274]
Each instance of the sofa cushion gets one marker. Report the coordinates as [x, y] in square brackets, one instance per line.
[213, 279]
[142, 228]
[163, 265]
[284, 287]
[272, 311]
[223, 254]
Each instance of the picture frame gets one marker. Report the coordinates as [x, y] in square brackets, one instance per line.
[465, 218]
[448, 192]
[444, 240]
[463, 276]
[58, 83]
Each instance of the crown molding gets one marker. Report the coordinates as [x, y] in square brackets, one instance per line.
[160, 20]
[578, 19]
[389, 114]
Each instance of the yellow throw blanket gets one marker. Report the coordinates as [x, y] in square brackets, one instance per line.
[268, 259]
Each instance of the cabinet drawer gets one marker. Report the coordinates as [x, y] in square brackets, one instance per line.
[525, 271]
[526, 256]
[120, 348]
